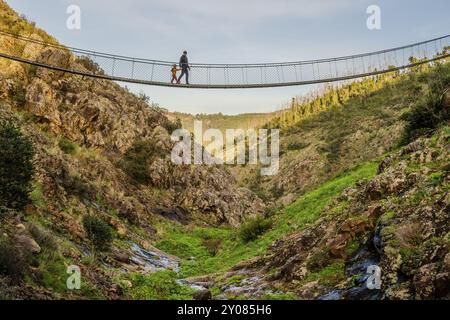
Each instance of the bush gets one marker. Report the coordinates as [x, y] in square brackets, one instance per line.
[253, 228]
[7, 213]
[429, 112]
[16, 167]
[296, 145]
[137, 159]
[14, 260]
[142, 96]
[18, 94]
[319, 260]
[212, 245]
[90, 65]
[79, 187]
[98, 232]
[161, 285]
[67, 146]
[172, 126]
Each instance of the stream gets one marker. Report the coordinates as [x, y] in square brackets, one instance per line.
[357, 266]
[150, 261]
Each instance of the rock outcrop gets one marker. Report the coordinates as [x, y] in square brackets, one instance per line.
[101, 116]
[400, 223]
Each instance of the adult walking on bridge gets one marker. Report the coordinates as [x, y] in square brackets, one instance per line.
[184, 65]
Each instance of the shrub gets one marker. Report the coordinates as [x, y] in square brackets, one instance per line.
[90, 65]
[161, 285]
[429, 112]
[253, 228]
[142, 96]
[18, 94]
[16, 167]
[79, 187]
[328, 276]
[67, 146]
[212, 245]
[14, 260]
[98, 232]
[296, 145]
[7, 213]
[171, 126]
[319, 260]
[137, 159]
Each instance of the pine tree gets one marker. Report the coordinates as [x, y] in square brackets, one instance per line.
[16, 167]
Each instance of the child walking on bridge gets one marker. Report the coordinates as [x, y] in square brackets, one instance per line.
[174, 74]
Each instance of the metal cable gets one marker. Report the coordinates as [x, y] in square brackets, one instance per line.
[227, 76]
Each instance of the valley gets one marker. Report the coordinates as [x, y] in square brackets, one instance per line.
[88, 181]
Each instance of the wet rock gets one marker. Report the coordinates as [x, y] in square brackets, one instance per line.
[149, 261]
[333, 295]
[202, 281]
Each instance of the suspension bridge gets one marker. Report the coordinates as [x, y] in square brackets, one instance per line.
[235, 76]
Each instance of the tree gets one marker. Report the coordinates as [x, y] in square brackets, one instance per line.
[16, 167]
[98, 232]
[137, 159]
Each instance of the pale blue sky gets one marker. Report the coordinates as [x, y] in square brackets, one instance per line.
[236, 31]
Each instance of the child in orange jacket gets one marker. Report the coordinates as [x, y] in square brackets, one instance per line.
[174, 73]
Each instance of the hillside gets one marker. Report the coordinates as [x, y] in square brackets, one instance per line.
[389, 209]
[397, 220]
[87, 184]
[100, 152]
[335, 136]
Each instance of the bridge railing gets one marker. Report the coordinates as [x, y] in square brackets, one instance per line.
[157, 72]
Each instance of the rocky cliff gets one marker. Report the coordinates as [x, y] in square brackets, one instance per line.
[93, 139]
[397, 221]
[104, 119]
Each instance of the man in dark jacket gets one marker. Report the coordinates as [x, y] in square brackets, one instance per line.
[184, 65]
